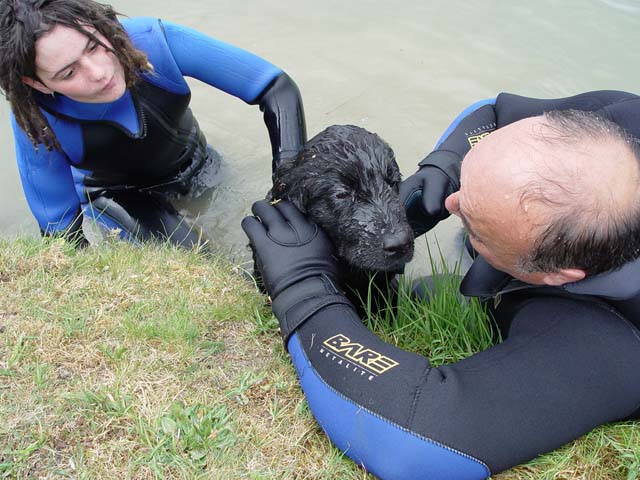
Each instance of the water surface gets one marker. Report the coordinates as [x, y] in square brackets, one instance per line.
[402, 70]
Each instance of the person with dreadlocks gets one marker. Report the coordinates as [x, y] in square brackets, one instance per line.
[101, 118]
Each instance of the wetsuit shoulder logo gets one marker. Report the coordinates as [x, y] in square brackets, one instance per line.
[475, 139]
[360, 355]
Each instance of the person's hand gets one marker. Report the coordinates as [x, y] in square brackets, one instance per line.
[424, 192]
[288, 248]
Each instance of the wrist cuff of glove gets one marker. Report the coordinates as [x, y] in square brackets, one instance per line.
[301, 301]
[446, 161]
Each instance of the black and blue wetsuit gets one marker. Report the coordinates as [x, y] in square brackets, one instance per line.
[570, 359]
[116, 155]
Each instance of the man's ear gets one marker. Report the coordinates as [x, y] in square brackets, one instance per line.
[37, 85]
[562, 276]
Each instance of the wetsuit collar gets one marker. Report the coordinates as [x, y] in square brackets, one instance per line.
[482, 280]
[83, 111]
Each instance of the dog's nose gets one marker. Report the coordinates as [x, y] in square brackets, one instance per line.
[398, 243]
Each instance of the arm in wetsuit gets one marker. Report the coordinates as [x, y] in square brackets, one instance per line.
[566, 367]
[248, 77]
[438, 175]
[49, 188]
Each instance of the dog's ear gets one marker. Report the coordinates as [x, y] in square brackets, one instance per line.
[287, 183]
[298, 195]
[279, 189]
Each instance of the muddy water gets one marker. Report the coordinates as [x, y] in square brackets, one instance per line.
[403, 70]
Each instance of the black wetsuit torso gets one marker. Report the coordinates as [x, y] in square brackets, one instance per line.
[169, 143]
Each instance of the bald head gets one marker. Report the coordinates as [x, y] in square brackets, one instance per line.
[589, 194]
[580, 159]
[558, 191]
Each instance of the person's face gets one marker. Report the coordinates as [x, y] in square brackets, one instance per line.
[498, 228]
[70, 63]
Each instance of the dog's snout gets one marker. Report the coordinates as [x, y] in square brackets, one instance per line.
[397, 243]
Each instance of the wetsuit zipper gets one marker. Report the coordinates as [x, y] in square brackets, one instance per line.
[174, 134]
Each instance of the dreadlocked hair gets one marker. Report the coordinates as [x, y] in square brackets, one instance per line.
[23, 22]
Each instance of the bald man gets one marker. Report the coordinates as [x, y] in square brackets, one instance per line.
[549, 193]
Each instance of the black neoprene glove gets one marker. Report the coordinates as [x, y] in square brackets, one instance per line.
[424, 192]
[295, 259]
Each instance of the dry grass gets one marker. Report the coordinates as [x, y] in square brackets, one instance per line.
[122, 362]
[127, 362]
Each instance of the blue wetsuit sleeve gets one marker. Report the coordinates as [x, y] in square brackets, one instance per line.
[401, 418]
[363, 391]
[223, 66]
[47, 183]
[248, 77]
[385, 445]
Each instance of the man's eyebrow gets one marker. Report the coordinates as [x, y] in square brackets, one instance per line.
[55, 75]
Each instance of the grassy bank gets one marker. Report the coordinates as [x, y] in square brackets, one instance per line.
[126, 362]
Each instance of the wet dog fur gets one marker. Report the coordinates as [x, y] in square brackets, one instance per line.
[346, 179]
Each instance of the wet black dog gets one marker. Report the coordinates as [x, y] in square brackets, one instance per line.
[346, 180]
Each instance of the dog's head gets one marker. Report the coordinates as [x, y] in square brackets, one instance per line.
[346, 180]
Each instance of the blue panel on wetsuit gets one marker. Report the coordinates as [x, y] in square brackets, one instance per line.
[79, 175]
[121, 111]
[105, 221]
[383, 448]
[47, 183]
[229, 68]
[69, 135]
[466, 112]
[147, 35]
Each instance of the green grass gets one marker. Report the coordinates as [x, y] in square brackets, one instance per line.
[441, 328]
[128, 362]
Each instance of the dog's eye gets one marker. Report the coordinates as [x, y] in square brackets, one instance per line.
[343, 195]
